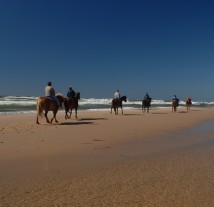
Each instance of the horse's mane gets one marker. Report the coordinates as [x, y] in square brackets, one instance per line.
[60, 94]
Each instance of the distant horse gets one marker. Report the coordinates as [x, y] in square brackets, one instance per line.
[71, 103]
[146, 103]
[116, 103]
[188, 104]
[174, 106]
[47, 104]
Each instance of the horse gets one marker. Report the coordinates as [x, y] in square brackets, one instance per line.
[118, 102]
[71, 103]
[174, 106]
[188, 104]
[47, 104]
[146, 103]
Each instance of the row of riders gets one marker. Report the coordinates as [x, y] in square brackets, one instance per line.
[52, 102]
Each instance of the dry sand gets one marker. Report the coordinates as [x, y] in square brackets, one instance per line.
[100, 159]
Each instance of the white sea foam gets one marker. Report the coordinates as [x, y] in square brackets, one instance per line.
[25, 104]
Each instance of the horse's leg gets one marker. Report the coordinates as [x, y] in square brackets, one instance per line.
[46, 116]
[70, 113]
[66, 114]
[37, 119]
[54, 116]
[76, 112]
[115, 110]
[122, 109]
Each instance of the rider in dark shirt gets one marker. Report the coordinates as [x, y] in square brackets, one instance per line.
[71, 93]
[147, 97]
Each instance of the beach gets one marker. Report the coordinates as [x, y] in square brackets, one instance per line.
[101, 159]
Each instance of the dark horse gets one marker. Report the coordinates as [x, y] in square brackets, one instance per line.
[175, 104]
[188, 104]
[71, 103]
[146, 103]
[47, 104]
[116, 103]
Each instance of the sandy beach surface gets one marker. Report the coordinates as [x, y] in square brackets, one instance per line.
[156, 159]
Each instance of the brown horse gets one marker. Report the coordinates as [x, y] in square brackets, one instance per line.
[47, 104]
[116, 103]
[146, 103]
[71, 103]
[174, 106]
[188, 104]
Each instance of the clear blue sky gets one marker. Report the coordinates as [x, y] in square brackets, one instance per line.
[98, 46]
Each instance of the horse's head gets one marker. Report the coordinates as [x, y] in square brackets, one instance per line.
[60, 97]
[78, 95]
[123, 98]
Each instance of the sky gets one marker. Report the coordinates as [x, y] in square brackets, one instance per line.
[163, 47]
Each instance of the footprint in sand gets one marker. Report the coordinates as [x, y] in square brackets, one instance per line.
[97, 140]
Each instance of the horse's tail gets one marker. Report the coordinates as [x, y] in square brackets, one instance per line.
[39, 108]
[66, 104]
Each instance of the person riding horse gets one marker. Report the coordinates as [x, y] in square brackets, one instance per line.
[117, 102]
[71, 93]
[175, 99]
[175, 103]
[188, 103]
[147, 98]
[117, 94]
[50, 92]
[146, 103]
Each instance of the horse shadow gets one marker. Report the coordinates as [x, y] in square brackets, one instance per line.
[182, 112]
[76, 123]
[159, 113]
[92, 119]
[132, 114]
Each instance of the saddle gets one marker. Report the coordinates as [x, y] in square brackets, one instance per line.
[46, 97]
[50, 98]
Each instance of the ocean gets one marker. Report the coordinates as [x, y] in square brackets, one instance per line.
[19, 105]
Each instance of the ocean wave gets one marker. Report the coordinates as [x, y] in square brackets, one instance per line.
[24, 104]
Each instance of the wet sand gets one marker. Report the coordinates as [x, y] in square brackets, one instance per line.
[136, 159]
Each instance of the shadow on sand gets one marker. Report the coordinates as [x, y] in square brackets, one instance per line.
[92, 119]
[76, 123]
[160, 112]
[132, 114]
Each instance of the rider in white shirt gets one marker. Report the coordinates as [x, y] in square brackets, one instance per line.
[117, 94]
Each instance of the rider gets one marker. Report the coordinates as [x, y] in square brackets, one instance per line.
[188, 99]
[147, 97]
[174, 98]
[50, 92]
[71, 93]
[117, 94]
